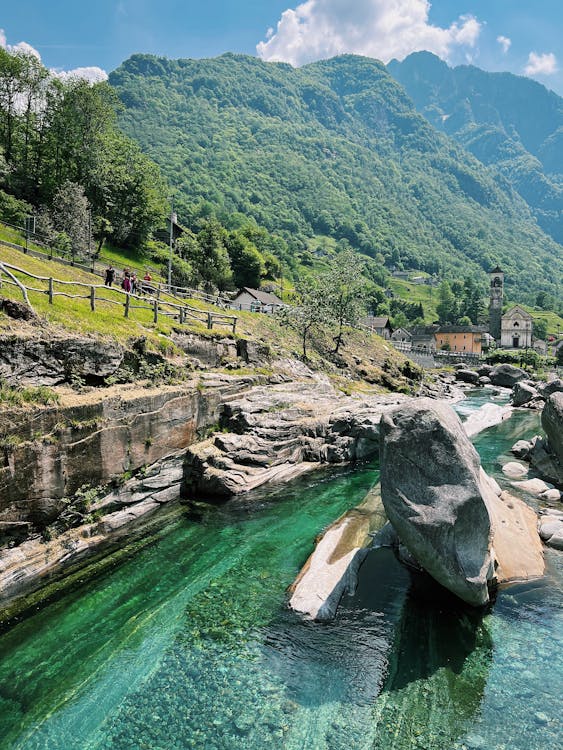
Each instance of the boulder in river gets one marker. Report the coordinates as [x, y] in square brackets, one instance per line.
[554, 386]
[523, 393]
[506, 376]
[432, 496]
[446, 511]
[552, 423]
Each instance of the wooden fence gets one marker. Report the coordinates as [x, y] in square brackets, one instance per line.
[97, 293]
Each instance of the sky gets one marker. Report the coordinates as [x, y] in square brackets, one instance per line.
[521, 36]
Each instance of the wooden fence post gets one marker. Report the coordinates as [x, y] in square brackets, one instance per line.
[182, 315]
[127, 302]
[209, 321]
[51, 295]
[234, 325]
[92, 298]
[155, 311]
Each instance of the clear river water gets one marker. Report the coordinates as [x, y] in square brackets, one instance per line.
[188, 643]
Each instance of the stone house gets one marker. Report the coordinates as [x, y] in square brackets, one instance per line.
[256, 300]
[516, 329]
[378, 324]
[402, 335]
[424, 337]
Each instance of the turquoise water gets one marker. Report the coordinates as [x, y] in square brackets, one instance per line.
[189, 644]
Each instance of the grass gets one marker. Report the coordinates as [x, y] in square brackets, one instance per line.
[75, 314]
[12, 396]
[362, 356]
[415, 293]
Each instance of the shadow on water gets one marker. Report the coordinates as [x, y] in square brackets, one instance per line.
[438, 672]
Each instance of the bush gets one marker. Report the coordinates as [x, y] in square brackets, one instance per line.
[12, 210]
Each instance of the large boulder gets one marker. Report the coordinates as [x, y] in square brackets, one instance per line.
[552, 423]
[430, 487]
[523, 393]
[506, 376]
[554, 386]
[450, 516]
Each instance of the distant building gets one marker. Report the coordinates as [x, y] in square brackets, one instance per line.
[256, 300]
[424, 337]
[495, 302]
[401, 334]
[380, 325]
[516, 329]
[460, 338]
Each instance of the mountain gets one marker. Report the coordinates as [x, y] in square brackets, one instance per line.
[336, 149]
[508, 122]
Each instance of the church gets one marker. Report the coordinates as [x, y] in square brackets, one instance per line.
[514, 329]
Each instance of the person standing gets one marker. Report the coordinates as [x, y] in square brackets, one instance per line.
[110, 275]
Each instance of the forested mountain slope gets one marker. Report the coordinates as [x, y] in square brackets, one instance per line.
[507, 121]
[334, 148]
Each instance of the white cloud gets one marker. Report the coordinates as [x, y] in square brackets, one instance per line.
[91, 74]
[385, 29]
[545, 64]
[504, 42]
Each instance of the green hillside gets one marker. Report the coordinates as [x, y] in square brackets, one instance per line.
[335, 148]
[509, 122]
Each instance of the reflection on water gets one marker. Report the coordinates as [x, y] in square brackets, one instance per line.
[189, 645]
[438, 672]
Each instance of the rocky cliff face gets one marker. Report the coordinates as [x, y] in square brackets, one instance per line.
[279, 431]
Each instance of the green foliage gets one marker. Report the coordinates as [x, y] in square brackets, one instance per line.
[343, 286]
[59, 138]
[336, 149]
[308, 313]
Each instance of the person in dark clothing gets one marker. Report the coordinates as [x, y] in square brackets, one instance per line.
[110, 275]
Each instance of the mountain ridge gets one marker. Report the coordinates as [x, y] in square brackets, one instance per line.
[509, 122]
[335, 148]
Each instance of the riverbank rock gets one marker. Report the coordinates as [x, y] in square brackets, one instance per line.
[277, 432]
[467, 376]
[554, 386]
[506, 376]
[55, 359]
[451, 517]
[431, 494]
[514, 470]
[551, 528]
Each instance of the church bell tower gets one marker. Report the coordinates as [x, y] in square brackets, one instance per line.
[495, 302]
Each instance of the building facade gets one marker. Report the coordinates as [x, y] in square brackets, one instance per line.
[468, 339]
[516, 329]
[495, 302]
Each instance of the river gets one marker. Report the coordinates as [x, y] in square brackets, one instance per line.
[188, 643]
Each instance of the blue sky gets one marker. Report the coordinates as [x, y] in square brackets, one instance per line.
[516, 35]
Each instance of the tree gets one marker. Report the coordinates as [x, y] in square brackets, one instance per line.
[540, 329]
[71, 215]
[447, 306]
[211, 260]
[308, 312]
[345, 292]
[246, 262]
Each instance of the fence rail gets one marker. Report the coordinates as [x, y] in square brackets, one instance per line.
[97, 293]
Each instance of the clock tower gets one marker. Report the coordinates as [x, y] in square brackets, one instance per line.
[495, 302]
